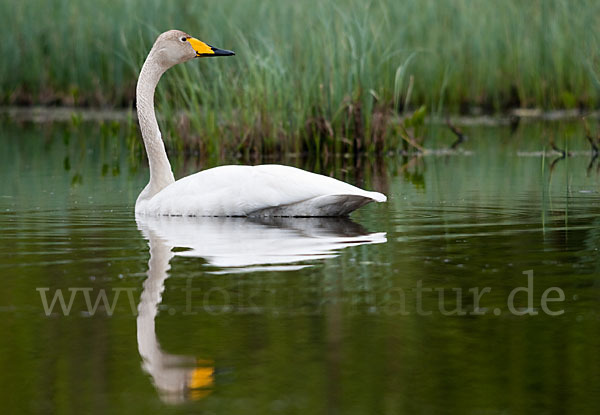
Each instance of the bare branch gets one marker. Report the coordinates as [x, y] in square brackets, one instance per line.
[461, 137]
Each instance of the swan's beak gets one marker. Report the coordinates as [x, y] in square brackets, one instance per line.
[203, 49]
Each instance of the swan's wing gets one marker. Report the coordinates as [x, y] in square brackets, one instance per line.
[321, 206]
[244, 190]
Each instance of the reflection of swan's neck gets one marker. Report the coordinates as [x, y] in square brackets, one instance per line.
[173, 375]
[148, 346]
[160, 170]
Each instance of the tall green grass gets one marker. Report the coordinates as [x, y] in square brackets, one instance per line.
[316, 75]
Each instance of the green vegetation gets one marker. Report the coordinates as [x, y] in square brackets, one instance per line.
[311, 75]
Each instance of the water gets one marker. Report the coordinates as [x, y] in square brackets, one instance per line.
[303, 316]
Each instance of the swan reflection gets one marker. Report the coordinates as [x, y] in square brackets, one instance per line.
[176, 377]
[232, 244]
[251, 244]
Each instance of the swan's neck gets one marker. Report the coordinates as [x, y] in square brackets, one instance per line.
[160, 169]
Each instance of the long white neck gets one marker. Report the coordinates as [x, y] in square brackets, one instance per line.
[161, 174]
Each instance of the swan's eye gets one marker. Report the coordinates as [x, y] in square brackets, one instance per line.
[183, 39]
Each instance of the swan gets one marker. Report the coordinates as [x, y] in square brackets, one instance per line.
[263, 190]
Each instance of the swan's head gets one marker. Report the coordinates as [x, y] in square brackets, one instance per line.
[175, 47]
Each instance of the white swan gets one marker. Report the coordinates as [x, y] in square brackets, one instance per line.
[266, 190]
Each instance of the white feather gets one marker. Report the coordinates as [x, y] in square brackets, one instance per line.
[257, 190]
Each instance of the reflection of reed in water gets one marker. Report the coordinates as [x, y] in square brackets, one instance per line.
[242, 243]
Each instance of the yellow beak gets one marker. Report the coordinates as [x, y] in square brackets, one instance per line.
[204, 49]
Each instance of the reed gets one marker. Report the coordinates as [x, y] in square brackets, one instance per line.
[309, 75]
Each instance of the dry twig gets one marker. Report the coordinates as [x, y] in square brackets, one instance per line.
[461, 137]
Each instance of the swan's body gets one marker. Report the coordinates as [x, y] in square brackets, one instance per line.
[266, 190]
[269, 190]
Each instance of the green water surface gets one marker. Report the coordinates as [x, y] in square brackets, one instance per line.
[355, 316]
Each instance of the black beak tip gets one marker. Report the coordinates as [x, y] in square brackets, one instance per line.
[217, 52]
[223, 52]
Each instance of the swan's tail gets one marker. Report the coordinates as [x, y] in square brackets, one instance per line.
[320, 206]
